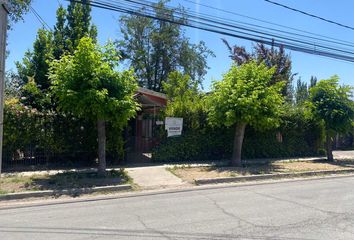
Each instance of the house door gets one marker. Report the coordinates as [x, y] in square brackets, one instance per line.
[142, 139]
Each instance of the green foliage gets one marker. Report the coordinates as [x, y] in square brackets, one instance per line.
[332, 104]
[20, 126]
[156, 48]
[59, 39]
[34, 97]
[68, 132]
[201, 145]
[296, 123]
[18, 8]
[87, 85]
[34, 133]
[12, 85]
[301, 137]
[302, 92]
[273, 57]
[184, 100]
[35, 64]
[33, 72]
[313, 81]
[70, 27]
[244, 96]
[78, 24]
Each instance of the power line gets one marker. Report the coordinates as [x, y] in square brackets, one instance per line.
[311, 15]
[40, 19]
[264, 21]
[321, 38]
[216, 29]
[137, 9]
[256, 31]
[274, 33]
[277, 35]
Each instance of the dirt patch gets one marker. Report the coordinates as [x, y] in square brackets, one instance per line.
[60, 181]
[14, 184]
[191, 173]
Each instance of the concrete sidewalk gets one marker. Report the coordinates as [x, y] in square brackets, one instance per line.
[151, 177]
[156, 176]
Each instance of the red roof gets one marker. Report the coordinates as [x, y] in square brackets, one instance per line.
[149, 98]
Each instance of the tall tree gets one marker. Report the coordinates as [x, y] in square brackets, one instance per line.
[155, 48]
[313, 81]
[87, 85]
[79, 24]
[272, 57]
[59, 34]
[245, 97]
[333, 105]
[302, 93]
[70, 27]
[34, 68]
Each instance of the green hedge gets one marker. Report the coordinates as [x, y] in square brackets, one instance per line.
[194, 146]
[301, 138]
[57, 137]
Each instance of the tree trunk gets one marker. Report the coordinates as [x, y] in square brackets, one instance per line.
[329, 147]
[238, 140]
[101, 130]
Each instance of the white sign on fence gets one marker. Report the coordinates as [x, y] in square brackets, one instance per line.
[173, 126]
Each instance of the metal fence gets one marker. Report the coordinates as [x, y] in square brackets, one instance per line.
[31, 159]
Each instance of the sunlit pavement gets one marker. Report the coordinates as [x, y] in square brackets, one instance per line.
[310, 209]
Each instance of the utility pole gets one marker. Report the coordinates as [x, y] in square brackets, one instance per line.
[3, 28]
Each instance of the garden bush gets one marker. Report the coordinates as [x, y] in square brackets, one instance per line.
[32, 135]
[300, 137]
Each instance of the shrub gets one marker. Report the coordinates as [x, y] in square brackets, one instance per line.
[301, 137]
[29, 133]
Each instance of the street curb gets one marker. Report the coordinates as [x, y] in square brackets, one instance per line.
[202, 181]
[73, 191]
[149, 193]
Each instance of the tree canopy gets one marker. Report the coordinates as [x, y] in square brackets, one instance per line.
[332, 104]
[245, 97]
[17, 9]
[33, 70]
[184, 100]
[272, 57]
[155, 48]
[87, 85]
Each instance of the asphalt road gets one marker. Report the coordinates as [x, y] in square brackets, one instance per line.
[311, 209]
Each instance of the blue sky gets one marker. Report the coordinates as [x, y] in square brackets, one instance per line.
[23, 34]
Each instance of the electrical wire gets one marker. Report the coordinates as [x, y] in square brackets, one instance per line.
[228, 25]
[40, 19]
[285, 44]
[210, 25]
[274, 33]
[271, 23]
[311, 15]
[277, 35]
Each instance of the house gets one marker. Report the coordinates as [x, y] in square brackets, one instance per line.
[142, 133]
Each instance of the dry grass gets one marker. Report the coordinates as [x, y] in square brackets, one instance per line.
[66, 180]
[191, 173]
